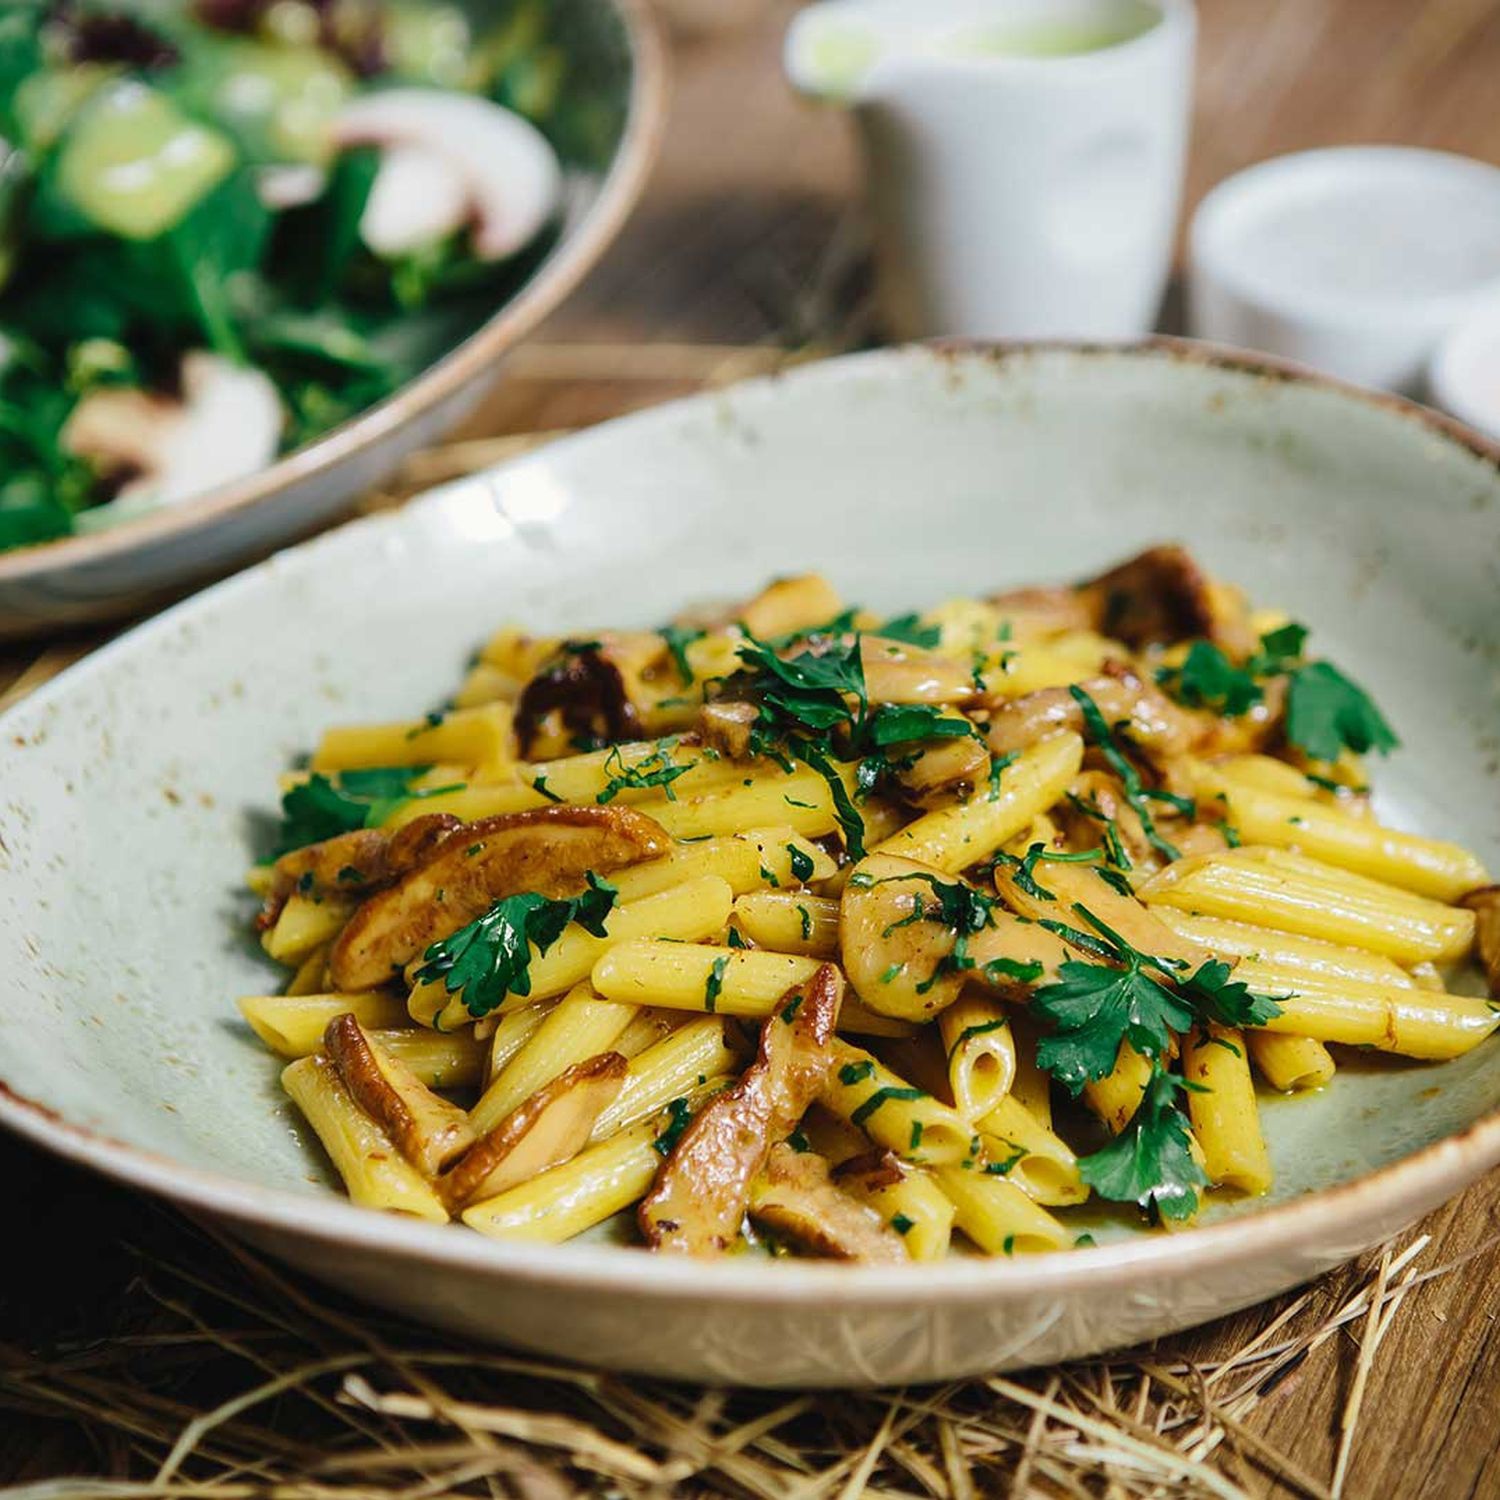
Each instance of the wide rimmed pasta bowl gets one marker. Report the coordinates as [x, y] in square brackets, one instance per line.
[129, 789]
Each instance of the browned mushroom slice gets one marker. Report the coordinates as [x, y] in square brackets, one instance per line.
[725, 724]
[1485, 904]
[1146, 716]
[1154, 599]
[943, 772]
[354, 864]
[795, 1196]
[586, 690]
[428, 1130]
[1096, 810]
[698, 1202]
[549, 850]
[550, 1127]
[904, 960]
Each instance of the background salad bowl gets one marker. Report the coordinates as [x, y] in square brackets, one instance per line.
[130, 786]
[446, 228]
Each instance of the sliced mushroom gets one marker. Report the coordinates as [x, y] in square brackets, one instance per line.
[1097, 802]
[904, 960]
[427, 1129]
[698, 1202]
[1160, 597]
[549, 850]
[943, 772]
[586, 690]
[550, 1127]
[725, 724]
[1485, 904]
[357, 863]
[162, 450]
[1036, 613]
[899, 673]
[1143, 714]
[795, 1196]
[451, 159]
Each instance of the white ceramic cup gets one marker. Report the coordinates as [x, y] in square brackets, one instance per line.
[1355, 260]
[1015, 196]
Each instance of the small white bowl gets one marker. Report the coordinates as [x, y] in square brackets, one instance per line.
[1464, 379]
[1356, 260]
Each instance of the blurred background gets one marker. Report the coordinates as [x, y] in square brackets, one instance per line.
[751, 230]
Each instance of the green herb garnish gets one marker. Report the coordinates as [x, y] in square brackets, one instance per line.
[1150, 1162]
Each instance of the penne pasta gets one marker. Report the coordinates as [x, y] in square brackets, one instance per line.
[373, 1170]
[1292, 893]
[894, 1114]
[1037, 1160]
[683, 1060]
[480, 736]
[1290, 1064]
[1221, 1105]
[305, 925]
[981, 1053]
[953, 838]
[1429, 867]
[293, 1025]
[997, 1216]
[789, 922]
[700, 976]
[581, 1025]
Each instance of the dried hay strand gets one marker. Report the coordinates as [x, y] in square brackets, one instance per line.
[224, 1376]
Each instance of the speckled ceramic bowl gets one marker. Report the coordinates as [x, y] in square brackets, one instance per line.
[617, 57]
[129, 789]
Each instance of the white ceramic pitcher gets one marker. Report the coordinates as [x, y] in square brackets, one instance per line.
[1024, 158]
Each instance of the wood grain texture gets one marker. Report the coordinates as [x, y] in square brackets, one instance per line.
[749, 235]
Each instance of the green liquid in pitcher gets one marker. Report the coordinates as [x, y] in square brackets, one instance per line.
[1053, 38]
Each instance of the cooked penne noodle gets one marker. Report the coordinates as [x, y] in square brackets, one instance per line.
[440, 1060]
[512, 1031]
[981, 1053]
[800, 799]
[912, 1204]
[1293, 893]
[1226, 1121]
[312, 974]
[1116, 1097]
[1430, 867]
[565, 1200]
[1037, 1160]
[789, 922]
[374, 1171]
[683, 1060]
[487, 684]
[997, 1216]
[1411, 1022]
[1030, 1087]
[687, 912]
[304, 925]
[1235, 940]
[466, 736]
[293, 1025]
[953, 838]
[752, 861]
[579, 1026]
[700, 976]
[894, 1114]
[1290, 1064]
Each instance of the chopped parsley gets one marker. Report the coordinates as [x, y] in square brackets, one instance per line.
[1098, 733]
[902, 1225]
[799, 1142]
[856, 1072]
[979, 1028]
[1326, 712]
[736, 938]
[490, 957]
[539, 784]
[807, 922]
[1208, 679]
[883, 1096]
[1006, 1166]
[802, 864]
[654, 770]
[1095, 1007]
[909, 628]
[896, 723]
[1150, 1162]
[790, 1009]
[679, 1117]
[322, 807]
[915, 1143]
[713, 986]
[678, 639]
[1109, 829]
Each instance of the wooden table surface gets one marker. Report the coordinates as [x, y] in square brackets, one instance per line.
[749, 236]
